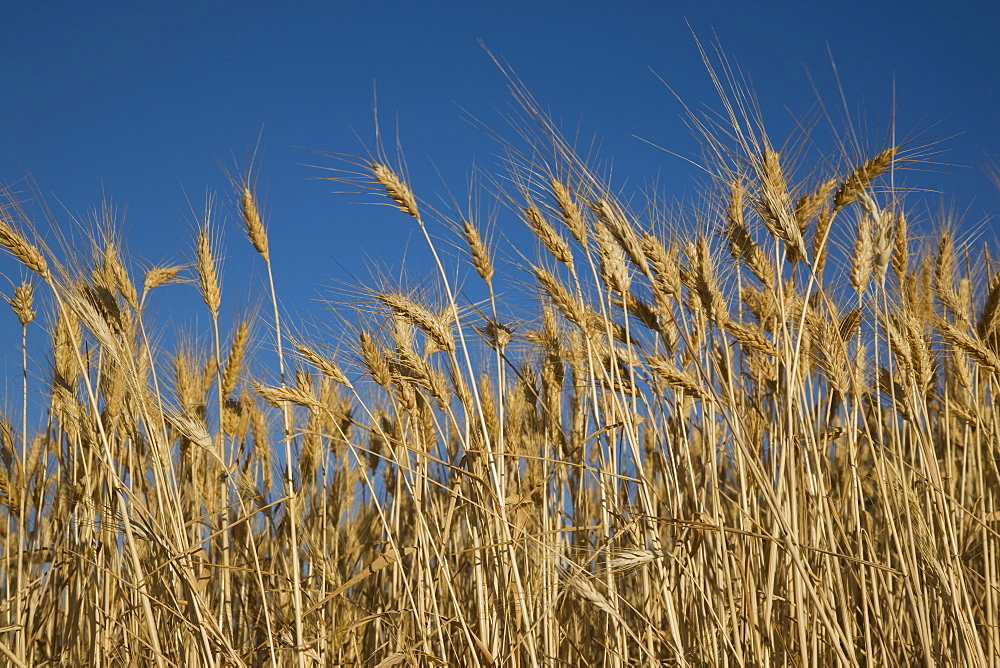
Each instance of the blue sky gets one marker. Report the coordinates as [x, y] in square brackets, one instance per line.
[137, 104]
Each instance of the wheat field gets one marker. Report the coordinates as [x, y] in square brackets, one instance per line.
[761, 431]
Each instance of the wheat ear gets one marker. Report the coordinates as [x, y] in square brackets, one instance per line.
[25, 252]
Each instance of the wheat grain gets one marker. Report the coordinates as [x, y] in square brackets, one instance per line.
[751, 338]
[863, 256]
[374, 360]
[436, 327]
[208, 277]
[554, 243]
[234, 363]
[668, 371]
[254, 225]
[861, 178]
[120, 277]
[572, 215]
[567, 304]
[614, 271]
[277, 396]
[741, 244]
[329, 368]
[160, 275]
[629, 560]
[808, 206]
[983, 356]
[23, 303]
[621, 228]
[397, 189]
[901, 254]
[25, 252]
[702, 279]
[882, 241]
[480, 255]
[773, 206]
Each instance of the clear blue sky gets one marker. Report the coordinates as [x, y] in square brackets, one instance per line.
[136, 102]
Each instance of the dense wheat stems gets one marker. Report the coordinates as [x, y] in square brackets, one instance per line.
[66, 299]
[399, 191]
[758, 431]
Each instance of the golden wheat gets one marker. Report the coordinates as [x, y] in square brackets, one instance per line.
[510, 479]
